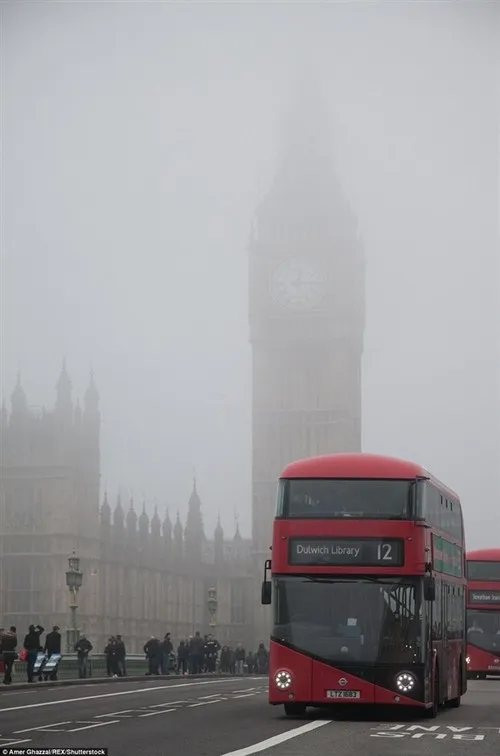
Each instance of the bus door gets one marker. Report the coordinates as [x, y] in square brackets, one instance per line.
[438, 632]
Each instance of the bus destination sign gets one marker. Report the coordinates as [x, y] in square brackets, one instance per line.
[355, 552]
[484, 597]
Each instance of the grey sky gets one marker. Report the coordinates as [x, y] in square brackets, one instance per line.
[138, 139]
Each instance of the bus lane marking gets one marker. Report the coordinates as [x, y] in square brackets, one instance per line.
[154, 713]
[43, 727]
[436, 732]
[91, 725]
[278, 739]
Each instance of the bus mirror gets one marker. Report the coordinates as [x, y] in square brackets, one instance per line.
[429, 589]
[266, 592]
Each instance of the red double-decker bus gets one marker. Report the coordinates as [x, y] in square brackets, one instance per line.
[483, 613]
[367, 586]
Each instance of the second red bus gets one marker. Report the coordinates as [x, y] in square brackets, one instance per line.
[483, 613]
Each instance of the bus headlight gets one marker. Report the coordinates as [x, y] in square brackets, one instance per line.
[467, 659]
[283, 679]
[405, 682]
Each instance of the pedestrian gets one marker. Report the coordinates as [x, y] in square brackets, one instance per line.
[196, 653]
[121, 654]
[8, 644]
[153, 655]
[182, 658]
[53, 646]
[262, 660]
[166, 648]
[32, 645]
[83, 647]
[212, 648]
[239, 657]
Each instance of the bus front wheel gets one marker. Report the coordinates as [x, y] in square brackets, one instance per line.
[295, 709]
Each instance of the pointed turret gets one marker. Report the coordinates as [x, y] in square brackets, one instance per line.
[18, 402]
[118, 514]
[194, 534]
[131, 518]
[91, 396]
[144, 525]
[91, 414]
[118, 521]
[178, 540]
[237, 535]
[167, 528]
[218, 542]
[156, 523]
[105, 512]
[64, 403]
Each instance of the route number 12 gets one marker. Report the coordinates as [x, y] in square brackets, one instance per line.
[384, 552]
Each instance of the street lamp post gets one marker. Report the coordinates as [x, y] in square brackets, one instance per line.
[74, 579]
[212, 605]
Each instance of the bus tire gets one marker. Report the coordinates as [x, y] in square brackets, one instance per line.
[434, 710]
[295, 709]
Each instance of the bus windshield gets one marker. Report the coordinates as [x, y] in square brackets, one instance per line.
[350, 620]
[483, 629]
[361, 499]
[484, 572]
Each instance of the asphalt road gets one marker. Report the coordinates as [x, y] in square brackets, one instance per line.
[231, 716]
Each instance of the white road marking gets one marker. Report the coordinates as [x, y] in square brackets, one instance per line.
[13, 742]
[278, 739]
[160, 711]
[115, 693]
[245, 695]
[41, 727]
[212, 695]
[243, 690]
[124, 713]
[203, 703]
[91, 726]
[167, 703]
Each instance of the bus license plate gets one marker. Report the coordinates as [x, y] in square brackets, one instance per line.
[343, 694]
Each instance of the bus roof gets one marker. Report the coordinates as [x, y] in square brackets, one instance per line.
[360, 465]
[484, 555]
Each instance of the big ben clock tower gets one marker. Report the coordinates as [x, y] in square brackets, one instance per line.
[306, 298]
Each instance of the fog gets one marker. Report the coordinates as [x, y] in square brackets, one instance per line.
[138, 141]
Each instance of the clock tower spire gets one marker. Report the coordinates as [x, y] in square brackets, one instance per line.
[306, 310]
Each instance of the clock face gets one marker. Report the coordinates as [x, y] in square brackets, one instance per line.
[297, 285]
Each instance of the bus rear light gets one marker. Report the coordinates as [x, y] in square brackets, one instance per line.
[405, 682]
[283, 679]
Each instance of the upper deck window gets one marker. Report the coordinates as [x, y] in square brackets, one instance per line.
[359, 499]
[439, 511]
[483, 571]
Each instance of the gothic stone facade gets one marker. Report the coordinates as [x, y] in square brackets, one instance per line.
[142, 577]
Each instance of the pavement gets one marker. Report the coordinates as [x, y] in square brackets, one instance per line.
[231, 717]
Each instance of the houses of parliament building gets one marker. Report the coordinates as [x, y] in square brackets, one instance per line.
[142, 576]
[146, 576]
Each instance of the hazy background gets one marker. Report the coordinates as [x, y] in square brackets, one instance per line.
[139, 138]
